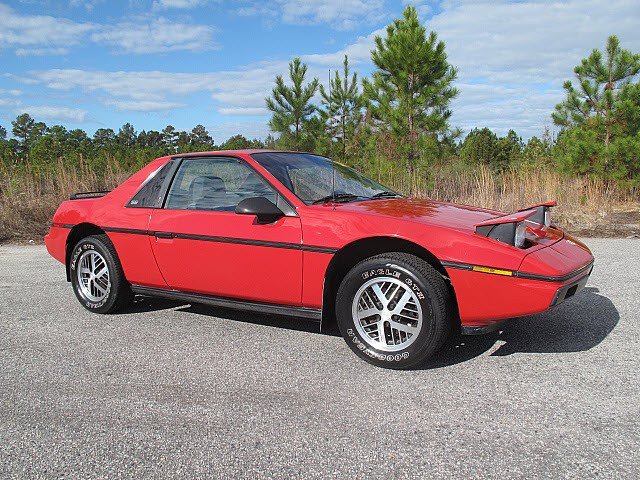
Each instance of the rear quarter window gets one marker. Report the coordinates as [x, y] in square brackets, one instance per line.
[151, 194]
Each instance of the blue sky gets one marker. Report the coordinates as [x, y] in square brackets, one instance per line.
[101, 63]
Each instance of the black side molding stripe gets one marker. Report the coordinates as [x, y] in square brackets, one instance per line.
[519, 274]
[563, 278]
[268, 308]
[457, 265]
[131, 231]
[317, 249]
[207, 238]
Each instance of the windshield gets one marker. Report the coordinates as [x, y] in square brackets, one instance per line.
[311, 178]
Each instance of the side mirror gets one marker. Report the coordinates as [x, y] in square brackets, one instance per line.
[265, 210]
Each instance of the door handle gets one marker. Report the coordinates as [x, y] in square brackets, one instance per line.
[163, 235]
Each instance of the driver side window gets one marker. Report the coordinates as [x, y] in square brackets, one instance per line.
[217, 184]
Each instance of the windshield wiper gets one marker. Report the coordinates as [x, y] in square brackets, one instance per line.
[337, 197]
[386, 194]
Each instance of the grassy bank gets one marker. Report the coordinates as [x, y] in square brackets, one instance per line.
[587, 206]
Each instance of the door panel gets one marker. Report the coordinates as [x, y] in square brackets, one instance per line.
[205, 258]
[201, 245]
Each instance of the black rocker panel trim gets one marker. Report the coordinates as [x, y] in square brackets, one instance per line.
[268, 308]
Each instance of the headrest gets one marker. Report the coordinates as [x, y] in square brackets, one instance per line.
[205, 185]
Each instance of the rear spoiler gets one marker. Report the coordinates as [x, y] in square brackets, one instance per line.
[81, 195]
[542, 215]
[511, 228]
[508, 229]
[519, 216]
[537, 205]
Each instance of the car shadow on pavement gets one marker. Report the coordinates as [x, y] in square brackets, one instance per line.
[576, 325]
[150, 304]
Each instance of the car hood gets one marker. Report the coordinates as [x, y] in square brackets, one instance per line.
[449, 215]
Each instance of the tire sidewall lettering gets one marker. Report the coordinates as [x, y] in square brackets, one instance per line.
[78, 251]
[396, 272]
[385, 357]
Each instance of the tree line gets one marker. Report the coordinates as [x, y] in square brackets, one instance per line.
[395, 123]
[35, 145]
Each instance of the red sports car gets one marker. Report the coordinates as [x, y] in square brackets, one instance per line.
[296, 234]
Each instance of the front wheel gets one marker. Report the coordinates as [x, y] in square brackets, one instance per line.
[97, 277]
[393, 310]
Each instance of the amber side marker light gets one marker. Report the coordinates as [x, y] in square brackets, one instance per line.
[495, 271]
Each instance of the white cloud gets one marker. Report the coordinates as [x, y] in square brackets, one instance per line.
[358, 52]
[9, 102]
[12, 92]
[239, 92]
[235, 92]
[31, 35]
[157, 36]
[166, 4]
[88, 5]
[521, 41]
[144, 105]
[338, 14]
[40, 52]
[55, 113]
[243, 110]
[31, 31]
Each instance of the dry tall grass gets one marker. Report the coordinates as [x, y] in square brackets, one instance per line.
[29, 200]
[582, 202]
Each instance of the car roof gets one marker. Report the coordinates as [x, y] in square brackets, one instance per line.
[247, 151]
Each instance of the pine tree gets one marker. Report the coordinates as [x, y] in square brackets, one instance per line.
[200, 137]
[127, 136]
[341, 106]
[411, 89]
[170, 138]
[104, 137]
[480, 146]
[291, 106]
[23, 129]
[600, 80]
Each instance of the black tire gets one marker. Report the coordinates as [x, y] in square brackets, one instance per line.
[431, 292]
[118, 291]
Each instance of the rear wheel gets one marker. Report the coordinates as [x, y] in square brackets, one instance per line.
[97, 277]
[393, 310]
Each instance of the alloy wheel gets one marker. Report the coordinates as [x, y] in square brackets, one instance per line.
[387, 314]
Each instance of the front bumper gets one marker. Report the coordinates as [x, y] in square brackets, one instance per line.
[485, 298]
[568, 291]
[563, 292]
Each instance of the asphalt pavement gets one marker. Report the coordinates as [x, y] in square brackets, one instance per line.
[169, 390]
